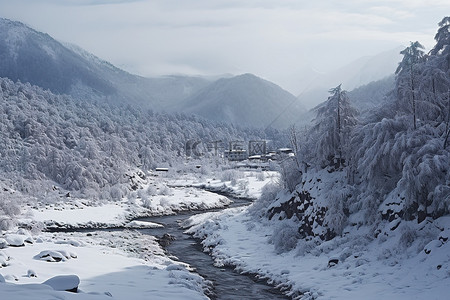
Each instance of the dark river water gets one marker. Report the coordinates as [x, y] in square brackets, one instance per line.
[227, 284]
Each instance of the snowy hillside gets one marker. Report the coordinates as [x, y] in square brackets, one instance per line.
[34, 57]
[52, 142]
[371, 95]
[283, 245]
[246, 100]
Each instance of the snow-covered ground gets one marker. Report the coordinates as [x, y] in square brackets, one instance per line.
[107, 264]
[123, 264]
[83, 214]
[406, 261]
[119, 264]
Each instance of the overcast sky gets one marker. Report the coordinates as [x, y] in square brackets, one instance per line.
[279, 40]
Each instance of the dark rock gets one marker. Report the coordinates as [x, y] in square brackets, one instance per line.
[395, 224]
[377, 232]
[165, 240]
[332, 262]
[443, 236]
[421, 216]
[31, 273]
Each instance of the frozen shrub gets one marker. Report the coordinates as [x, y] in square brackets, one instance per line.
[147, 202]
[243, 186]
[285, 237]
[151, 191]
[408, 236]
[165, 190]
[290, 174]
[335, 218]
[268, 195]
[8, 210]
[116, 193]
[164, 202]
[260, 176]
[6, 223]
[305, 246]
[205, 170]
[231, 175]
[132, 200]
[91, 193]
[36, 227]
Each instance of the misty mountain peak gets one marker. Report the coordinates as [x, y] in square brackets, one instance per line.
[246, 100]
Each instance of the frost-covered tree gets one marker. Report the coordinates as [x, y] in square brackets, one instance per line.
[88, 146]
[412, 55]
[332, 127]
[442, 38]
[409, 164]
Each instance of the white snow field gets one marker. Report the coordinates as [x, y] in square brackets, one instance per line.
[105, 264]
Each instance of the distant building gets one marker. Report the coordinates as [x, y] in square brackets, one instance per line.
[285, 151]
[236, 151]
[272, 155]
[236, 155]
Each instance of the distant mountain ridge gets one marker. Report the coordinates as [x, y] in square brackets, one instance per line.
[34, 57]
[353, 75]
[246, 100]
[31, 56]
[27, 55]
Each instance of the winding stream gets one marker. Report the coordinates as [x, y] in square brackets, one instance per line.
[227, 284]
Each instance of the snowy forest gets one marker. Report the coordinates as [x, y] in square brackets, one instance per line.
[392, 161]
[87, 147]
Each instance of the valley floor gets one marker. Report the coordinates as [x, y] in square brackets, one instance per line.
[127, 265]
[119, 264]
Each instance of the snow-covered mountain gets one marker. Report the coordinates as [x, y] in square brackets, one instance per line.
[359, 72]
[31, 56]
[246, 100]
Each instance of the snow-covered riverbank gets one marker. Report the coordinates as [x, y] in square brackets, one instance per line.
[82, 214]
[408, 261]
[119, 264]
